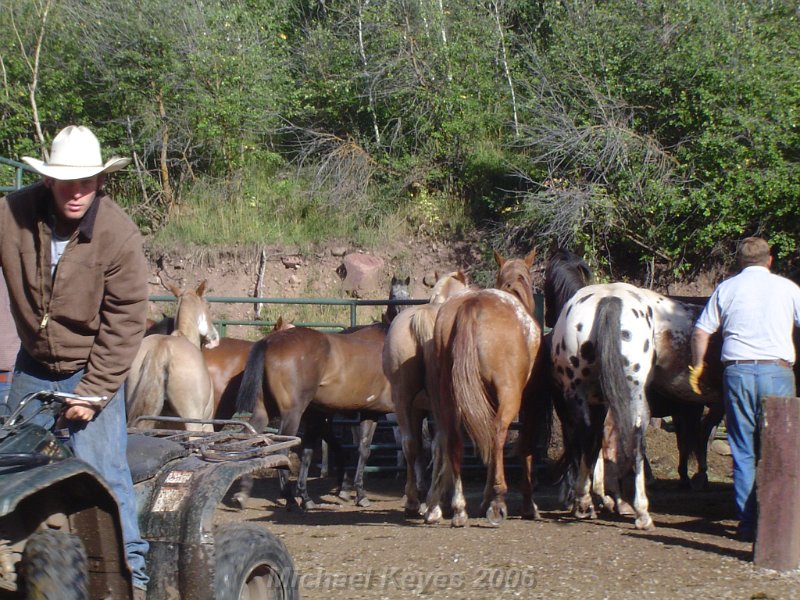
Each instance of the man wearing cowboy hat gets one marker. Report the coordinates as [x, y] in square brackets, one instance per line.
[77, 281]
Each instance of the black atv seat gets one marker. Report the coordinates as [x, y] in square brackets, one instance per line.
[147, 454]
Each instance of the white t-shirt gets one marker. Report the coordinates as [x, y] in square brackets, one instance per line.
[756, 311]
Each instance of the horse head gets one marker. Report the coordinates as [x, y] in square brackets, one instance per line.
[447, 286]
[398, 290]
[193, 317]
[514, 277]
[564, 275]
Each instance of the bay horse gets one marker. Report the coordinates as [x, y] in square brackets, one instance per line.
[292, 370]
[170, 369]
[485, 346]
[409, 339]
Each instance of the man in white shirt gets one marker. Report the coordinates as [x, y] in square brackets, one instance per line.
[756, 311]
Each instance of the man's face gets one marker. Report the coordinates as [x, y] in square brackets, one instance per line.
[73, 198]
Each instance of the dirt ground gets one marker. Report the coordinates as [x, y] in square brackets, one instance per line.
[344, 552]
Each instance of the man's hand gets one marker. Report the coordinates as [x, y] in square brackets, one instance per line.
[694, 377]
[79, 411]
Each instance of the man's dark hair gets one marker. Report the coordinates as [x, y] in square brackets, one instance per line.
[753, 251]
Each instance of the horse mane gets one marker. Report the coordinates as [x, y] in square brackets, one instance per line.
[565, 274]
[514, 277]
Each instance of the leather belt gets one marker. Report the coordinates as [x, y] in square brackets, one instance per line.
[5, 376]
[777, 361]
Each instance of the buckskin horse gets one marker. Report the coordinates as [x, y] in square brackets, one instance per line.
[409, 338]
[170, 370]
[485, 345]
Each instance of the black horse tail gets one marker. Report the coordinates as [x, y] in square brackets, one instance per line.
[613, 381]
[251, 388]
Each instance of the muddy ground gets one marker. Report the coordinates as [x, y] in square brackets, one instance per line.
[344, 552]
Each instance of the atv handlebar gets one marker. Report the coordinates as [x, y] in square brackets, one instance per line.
[52, 402]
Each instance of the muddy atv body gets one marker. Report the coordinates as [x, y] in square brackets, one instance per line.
[60, 532]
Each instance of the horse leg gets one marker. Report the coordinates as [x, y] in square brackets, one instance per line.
[336, 449]
[366, 433]
[708, 424]
[495, 501]
[409, 422]
[640, 501]
[439, 478]
[688, 431]
[313, 432]
[454, 457]
[590, 440]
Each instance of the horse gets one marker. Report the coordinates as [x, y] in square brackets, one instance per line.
[292, 370]
[170, 368]
[485, 346]
[625, 348]
[566, 273]
[398, 290]
[408, 340]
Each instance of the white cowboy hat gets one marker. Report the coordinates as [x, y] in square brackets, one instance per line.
[75, 154]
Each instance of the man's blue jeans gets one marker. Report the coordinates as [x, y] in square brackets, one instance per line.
[102, 443]
[744, 388]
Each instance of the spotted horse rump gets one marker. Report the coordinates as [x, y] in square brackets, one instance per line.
[603, 352]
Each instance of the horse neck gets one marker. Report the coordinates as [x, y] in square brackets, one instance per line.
[186, 321]
[564, 276]
[516, 281]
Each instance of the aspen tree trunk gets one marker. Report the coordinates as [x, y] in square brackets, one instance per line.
[501, 34]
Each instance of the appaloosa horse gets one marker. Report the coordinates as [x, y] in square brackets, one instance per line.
[409, 338]
[485, 346]
[565, 274]
[170, 370]
[617, 346]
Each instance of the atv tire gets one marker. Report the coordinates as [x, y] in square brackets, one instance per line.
[55, 567]
[250, 562]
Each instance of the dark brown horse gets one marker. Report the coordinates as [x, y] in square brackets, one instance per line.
[293, 370]
[485, 347]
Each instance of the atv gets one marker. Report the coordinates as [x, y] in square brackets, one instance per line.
[60, 532]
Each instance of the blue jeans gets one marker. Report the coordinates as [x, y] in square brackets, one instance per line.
[744, 388]
[102, 443]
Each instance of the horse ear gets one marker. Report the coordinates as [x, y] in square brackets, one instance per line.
[530, 258]
[201, 289]
[278, 324]
[499, 259]
[436, 275]
[172, 288]
[460, 276]
[408, 280]
[395, 280]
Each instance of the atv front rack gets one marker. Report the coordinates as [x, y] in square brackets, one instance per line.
[237, 440]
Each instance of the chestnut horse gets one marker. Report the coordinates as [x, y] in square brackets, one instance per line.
[485, 346]
[169, 369]
[409, 338]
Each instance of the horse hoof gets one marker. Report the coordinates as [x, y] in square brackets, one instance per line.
[624, 509]
[580, 512]
[699, 482]
[645, 523]
[496, 514]
[459, 520]
[239, 500]
[531, 513]
[433, 515]
[609, 504]
[363, 502]
[343, 495]
[308, 504]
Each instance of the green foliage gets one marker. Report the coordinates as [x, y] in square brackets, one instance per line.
[661, 131]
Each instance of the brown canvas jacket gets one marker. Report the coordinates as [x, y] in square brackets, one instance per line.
[91, 314]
